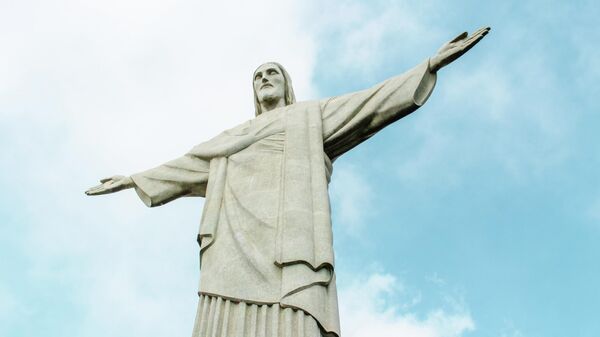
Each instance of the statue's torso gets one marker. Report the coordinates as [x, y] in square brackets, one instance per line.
[240, 262]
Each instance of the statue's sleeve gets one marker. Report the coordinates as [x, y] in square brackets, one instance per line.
[350, 119]
[184, 176]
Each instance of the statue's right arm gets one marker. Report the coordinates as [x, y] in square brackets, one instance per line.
[184, 176]
[111, 185]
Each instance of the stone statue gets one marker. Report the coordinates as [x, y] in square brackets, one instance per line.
[267, 266]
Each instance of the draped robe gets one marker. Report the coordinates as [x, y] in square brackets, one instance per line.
[265, 235]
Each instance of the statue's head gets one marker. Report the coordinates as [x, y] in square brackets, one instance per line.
[272, 83]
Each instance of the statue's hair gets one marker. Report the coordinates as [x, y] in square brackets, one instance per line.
[290, 98]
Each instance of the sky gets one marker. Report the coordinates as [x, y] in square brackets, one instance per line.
[476, 216]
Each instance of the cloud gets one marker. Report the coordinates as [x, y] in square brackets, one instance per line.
[96, 88]
[366, 309]
[123, 77]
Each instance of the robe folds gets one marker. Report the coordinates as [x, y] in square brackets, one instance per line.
[265, 234]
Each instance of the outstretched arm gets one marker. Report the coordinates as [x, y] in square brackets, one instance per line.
[184, 176]
[351, 119]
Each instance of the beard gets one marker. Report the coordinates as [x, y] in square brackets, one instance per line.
[269, 96]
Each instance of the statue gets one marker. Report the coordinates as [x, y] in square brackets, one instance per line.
[267, 265]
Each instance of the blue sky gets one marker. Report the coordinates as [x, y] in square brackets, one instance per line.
[478, 215]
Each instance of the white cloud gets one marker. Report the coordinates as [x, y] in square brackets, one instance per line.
[94, 88]
[366, 310]
[122, 77]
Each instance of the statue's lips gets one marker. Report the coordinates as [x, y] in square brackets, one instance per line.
[266, 85]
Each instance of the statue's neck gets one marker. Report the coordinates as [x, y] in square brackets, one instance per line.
[272, 104]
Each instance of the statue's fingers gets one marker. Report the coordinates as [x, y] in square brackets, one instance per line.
[484, 31]
[99, 190]
[96, 187]
[481, 30]
[94, 190]
[453, 43]
[476, 35]
[104, 180]
[467, 46]
[473, 40]
[459, 37]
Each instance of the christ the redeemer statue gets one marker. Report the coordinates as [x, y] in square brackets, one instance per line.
[267, 266]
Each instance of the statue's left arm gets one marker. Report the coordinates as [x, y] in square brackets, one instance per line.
[351, 119]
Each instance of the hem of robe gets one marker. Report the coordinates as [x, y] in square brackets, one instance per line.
[146, 199]
[220, 316]
[425, 87]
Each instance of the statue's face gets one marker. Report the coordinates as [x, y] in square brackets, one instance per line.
[269, 83]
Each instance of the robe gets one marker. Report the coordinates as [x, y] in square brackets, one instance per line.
[265, 235]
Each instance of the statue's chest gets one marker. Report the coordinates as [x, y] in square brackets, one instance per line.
[254, 178]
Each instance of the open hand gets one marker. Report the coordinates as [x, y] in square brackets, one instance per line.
[111, 185]
[456, 48]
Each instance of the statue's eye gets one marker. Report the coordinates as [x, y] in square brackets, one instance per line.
[257, 76]
[272, 72]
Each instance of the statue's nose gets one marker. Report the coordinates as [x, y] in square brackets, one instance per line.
[265, 80]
